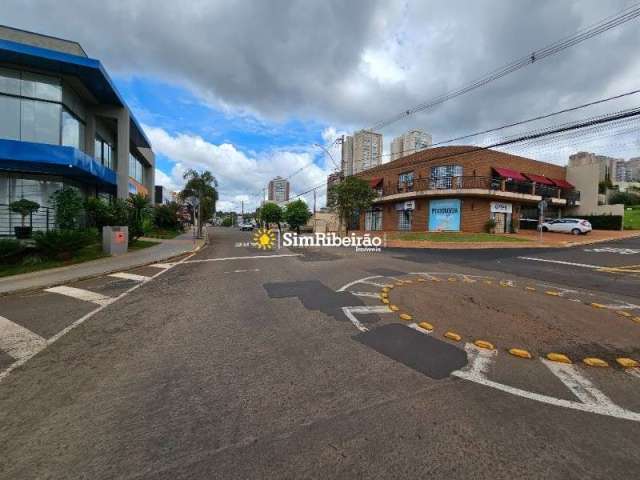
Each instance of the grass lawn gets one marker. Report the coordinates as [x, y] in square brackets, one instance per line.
[92, 252]
[454, 237]
[632, 218]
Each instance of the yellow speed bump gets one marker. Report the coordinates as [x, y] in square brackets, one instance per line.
[385, 290]
[434, 279]
[408, 281]
[484, 344]
[558, 357]
[453, 336]
[519, 352]
[488, 282]
[627, 362]
[405, 316]
[595, 362]
[530, 289]
[598, 305]
[636, 319]
[425, 326]
[384, 295]
[393, 308]
[452, 279]
[421, 280]
[385, 301]
[399, 284]
[552, 293]
[623, 313]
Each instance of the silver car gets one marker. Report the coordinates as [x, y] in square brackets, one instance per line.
[576, 226]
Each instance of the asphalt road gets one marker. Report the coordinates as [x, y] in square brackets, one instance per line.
[233, 365]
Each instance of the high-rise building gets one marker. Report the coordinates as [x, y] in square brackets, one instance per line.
[278, 190]
[633, 164]
[606, 164]
[361, 151]
[410, 142]
[346, 163]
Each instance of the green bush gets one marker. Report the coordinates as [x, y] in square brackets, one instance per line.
[139, 209]
[490, 225]
[627, 198]
[24, 207]
[62, 244]
[166, 216]
[68, 205]
[10, 250]
[604, 222]
[227, 222]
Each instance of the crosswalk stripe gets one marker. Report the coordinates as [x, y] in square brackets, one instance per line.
[130, 276]
[81, 294]
[17, 341]
[161, 265]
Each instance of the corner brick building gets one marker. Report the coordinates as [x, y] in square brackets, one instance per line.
[459, 188]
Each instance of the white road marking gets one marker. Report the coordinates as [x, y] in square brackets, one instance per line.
[579, 385]
[417, 327]
[349, 312]
[162, 265]
[362, 280]
[252, 257]
[561, 262]
[17, 341]
[365, 294]
[18, 363]
[81, 294]
[478, 365]
[244, 271]
[635, 372]
[130, 276]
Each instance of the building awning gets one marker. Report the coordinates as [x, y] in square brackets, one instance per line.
[562, 183]
[374, 182]
[510, 174]
[538, 179]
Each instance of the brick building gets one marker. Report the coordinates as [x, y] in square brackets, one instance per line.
[459, 188]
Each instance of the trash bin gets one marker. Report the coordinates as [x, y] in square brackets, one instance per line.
[115, 240]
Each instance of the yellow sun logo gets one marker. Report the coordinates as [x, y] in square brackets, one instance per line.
[264, 239]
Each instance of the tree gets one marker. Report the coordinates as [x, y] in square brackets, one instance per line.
[297, 214]
[203, 187]
[627, 198]
[24, 208]
[67, 204]
[271, 213]
[350, 196]
[139, 209]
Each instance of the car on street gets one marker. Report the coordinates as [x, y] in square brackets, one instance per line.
[575, 226]
[246, 227]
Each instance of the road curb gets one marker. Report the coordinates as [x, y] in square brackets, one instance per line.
[105, 272]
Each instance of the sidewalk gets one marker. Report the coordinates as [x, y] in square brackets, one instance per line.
[165, 250]
[549, 240]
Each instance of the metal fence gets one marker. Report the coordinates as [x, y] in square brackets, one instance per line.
[41, 220]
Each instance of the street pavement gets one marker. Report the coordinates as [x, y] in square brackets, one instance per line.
[239, 363]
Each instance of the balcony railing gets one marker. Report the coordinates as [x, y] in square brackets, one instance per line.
[479, 183]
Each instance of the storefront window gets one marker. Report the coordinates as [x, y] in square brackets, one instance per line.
[441, 176]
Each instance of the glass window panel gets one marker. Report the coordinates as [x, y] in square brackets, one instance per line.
[9, 117]
[98, 150]
[41, 86]
[9, 81]
[70, 130]
[40, 122]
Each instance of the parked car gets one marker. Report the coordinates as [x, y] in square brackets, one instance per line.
[576, 226]
[246, 227]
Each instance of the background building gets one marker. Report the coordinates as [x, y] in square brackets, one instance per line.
[332, 179]
[278, 190]
[361, 152]
[606, 165]
[410, 142]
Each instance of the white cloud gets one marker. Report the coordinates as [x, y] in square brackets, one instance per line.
[241, 177]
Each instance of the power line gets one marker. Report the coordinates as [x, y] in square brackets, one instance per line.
[580, 36]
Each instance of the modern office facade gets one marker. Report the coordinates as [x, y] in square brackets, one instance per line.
[459, 188]
[410, 142]
[361, 152]
[62, 122]
[278, 190]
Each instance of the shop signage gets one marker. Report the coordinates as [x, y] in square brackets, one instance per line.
[410, 205]
[444, 215]
[501, 207]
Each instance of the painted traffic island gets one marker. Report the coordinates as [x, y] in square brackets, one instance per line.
[523, 319]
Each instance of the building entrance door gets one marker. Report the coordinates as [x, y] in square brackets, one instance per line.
[501, 222]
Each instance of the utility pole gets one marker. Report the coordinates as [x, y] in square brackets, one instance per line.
[242, 209]
[315, 219]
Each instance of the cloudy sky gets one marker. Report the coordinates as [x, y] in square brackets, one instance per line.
[245, 88]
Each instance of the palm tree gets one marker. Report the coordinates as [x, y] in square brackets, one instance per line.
[203, 187]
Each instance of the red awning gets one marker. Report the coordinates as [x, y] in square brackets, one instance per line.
[374, 182]
[538, 179]
[562, 183]
[508, 173]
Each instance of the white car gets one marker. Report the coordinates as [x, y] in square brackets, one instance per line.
[575, 226]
